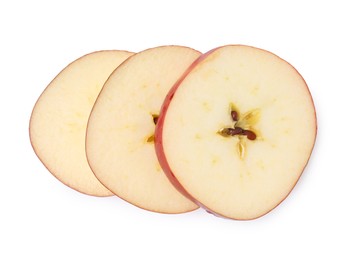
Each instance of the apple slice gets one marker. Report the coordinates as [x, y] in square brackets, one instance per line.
[59, 119]
[236, 131]
[120, 142]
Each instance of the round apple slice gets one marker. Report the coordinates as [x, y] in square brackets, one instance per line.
[236, 131]
[59, 119]
[120, 132]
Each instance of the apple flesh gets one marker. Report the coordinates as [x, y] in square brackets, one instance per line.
[59, 119]
[120, 133]
[236, 131]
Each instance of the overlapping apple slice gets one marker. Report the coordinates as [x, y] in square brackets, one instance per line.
[59, 119]
[235, 133]
[120, 142]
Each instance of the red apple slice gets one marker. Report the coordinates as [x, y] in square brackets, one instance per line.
[119, 141]
[236, 132]
[59, 119]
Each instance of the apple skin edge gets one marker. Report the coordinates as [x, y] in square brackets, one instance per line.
[159, 140]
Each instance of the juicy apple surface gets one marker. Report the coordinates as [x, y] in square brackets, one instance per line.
[59, 119]
[120, 133]
[236, 131]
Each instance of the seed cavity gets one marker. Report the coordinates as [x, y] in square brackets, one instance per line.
[151, 139]
[241, 148]
[242, 127]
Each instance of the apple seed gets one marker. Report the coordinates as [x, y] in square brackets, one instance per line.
[228, 131]
[234, 115]
[151, 139]
[237, 130]
[155, 118]
[250, 134]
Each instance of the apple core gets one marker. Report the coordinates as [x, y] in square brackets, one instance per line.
[242, 127]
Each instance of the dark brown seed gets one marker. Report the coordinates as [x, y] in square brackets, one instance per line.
[234, 115]
[237, 131]
[250, 134]
[155, 119]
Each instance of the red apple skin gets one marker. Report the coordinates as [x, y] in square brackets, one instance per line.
[159, 130]
[159, 140]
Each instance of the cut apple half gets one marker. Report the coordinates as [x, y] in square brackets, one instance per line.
[120, 133]
[236, 131]
[59, 119]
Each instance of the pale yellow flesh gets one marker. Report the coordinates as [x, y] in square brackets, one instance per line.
[121, 123]
[59, 119]
[209, 166]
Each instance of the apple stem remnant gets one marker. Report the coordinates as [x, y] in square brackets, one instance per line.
[151, 139]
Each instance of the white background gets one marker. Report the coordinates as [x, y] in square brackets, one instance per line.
[40, 218]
